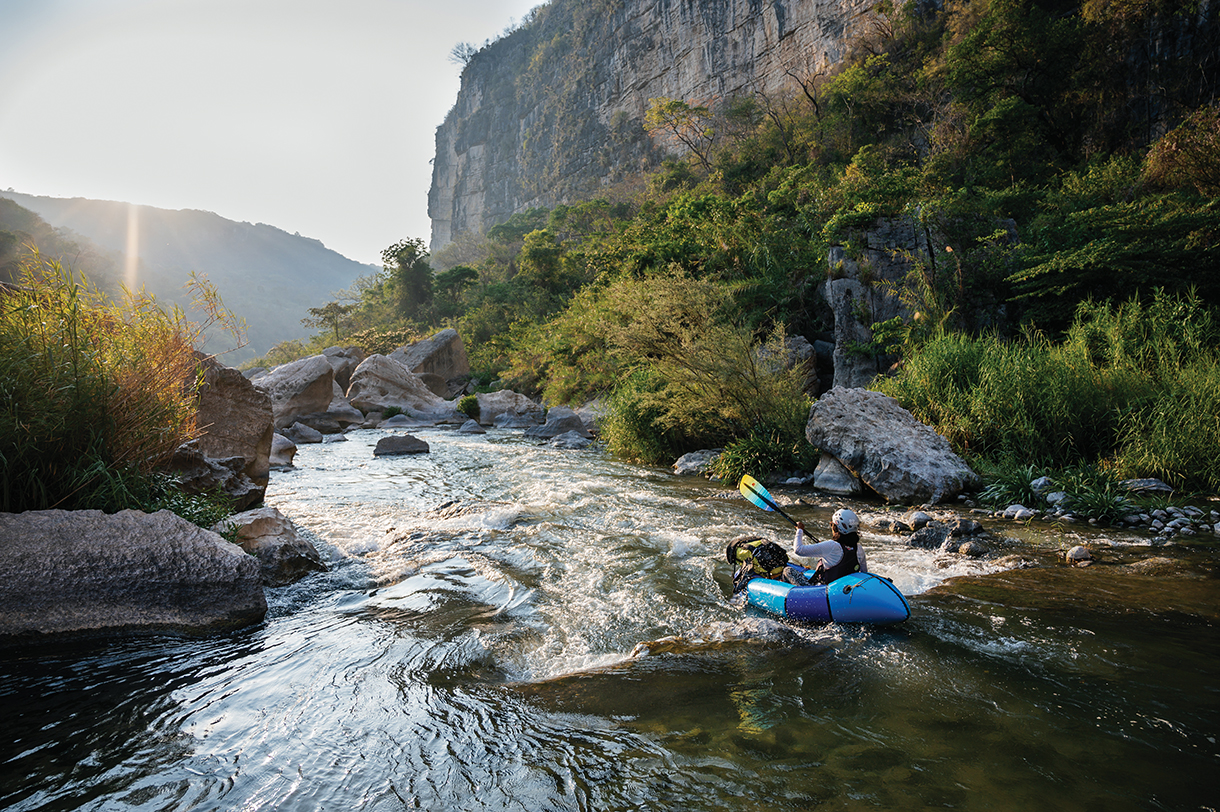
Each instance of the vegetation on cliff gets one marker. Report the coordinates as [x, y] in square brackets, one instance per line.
[1068, 119]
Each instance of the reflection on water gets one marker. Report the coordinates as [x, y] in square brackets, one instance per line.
[563, 638]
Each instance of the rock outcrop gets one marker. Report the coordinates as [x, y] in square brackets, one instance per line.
[880, 442]
[536, 124]
[85, 572]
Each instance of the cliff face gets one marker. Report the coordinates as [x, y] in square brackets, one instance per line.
[555, 110]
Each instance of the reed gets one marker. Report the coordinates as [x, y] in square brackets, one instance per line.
[95, 395]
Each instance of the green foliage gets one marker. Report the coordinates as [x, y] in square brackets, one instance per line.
[406, 266]
[1130, 386]
[469, 406]
[95, 396]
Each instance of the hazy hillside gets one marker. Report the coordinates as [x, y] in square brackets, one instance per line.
[264, 274]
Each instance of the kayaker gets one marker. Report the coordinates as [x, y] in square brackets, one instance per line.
[838, 557]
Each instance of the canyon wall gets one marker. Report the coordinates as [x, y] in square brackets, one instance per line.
[554, 111]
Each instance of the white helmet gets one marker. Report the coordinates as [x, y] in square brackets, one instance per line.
[845, 521]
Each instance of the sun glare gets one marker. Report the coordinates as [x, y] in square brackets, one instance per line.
[132, 262]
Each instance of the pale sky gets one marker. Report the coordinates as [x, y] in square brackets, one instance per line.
[314, 116]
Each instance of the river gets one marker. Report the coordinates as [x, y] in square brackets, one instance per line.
[559, 635]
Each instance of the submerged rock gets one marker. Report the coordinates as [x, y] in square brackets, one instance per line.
[400, 444]
[268, 535]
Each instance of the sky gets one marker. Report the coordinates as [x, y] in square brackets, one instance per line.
[314, 116]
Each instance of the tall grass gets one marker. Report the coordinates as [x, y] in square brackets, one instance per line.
[1134, 387]
[95, 395]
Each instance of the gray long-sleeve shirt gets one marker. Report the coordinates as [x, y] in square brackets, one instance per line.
[829, 552]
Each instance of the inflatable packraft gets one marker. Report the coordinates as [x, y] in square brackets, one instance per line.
[855, 598]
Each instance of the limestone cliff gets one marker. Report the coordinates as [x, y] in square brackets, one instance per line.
[555, 110]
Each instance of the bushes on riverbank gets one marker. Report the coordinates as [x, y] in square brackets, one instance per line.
[95, 396]
[1134, 388]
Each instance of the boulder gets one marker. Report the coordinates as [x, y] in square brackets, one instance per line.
[302, 434]
[399, 444]
[832, 477]
[343, 360]
[519, 411]
[472, 427]
[380, 382]
[697, 463]
[559, 420]
[900, 458]
[84, 572]
[298, 388]
[442, 354]
[282, 451]
[284, 556]
[594, 414]
[570, 440]
[198, 473]
[235, 420]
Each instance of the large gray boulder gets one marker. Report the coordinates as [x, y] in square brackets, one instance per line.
[282, 451]
[517, 410]
[380, 382]
[299, 388]
[559, 420]
[343, 360]
[271, 537]
[235, 419]
[81, 573]
[442, 354]
[901, 459]
[830, 476]
[397, 445]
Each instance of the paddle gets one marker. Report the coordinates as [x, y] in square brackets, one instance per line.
[753, 490]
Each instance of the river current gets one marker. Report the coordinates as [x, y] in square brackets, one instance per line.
[508, 626]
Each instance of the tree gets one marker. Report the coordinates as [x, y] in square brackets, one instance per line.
[406, 263]
[330, 315]
[688, 125]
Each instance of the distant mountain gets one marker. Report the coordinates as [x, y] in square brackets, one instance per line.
[264, 274]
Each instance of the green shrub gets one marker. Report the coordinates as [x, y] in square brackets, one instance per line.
[469, 406]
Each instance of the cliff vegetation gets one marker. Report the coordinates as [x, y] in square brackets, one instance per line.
[1088, 128]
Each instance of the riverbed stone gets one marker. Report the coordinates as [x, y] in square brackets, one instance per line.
[931, 537]
[284, 555]
[1079, 556]
[84, 572]
[471, 427]
[917, 519]
[197, 473]
[571, 440]
[302, 434]
[973, 549]
[559, 420]
[903, 460]
[400, 444]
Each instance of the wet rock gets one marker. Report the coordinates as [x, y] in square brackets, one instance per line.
[973, 549]
[697, 463]
[559, 420]
[84, 572]
[1158, 566]
[282, 451]
[472, 427]
[400, 444]
[1018, 513]
[965, 527]
[917, 519]
[1079, 556]
[302, 434]
[268, 535]
[571, 440]
[931, 537]
[334, 438]
[887, 525]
